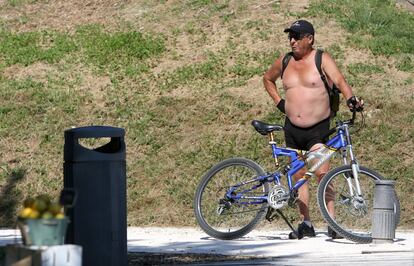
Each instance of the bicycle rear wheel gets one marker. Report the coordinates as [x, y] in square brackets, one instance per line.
[224, 218]
[353, 215]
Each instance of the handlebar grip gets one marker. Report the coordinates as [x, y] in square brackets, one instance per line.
[353, 116]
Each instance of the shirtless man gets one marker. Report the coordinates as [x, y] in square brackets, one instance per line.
[306, 106]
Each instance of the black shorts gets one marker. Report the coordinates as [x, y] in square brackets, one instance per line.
[304, 138]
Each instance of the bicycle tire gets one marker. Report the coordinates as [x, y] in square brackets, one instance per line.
[356, 229]
[230, 224]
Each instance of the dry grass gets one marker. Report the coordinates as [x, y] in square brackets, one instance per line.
[192, 107]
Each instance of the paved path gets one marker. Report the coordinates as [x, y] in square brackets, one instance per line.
[270, 247]
[258, 243]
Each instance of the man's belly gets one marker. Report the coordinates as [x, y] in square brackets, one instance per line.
[307, 121]
[307, 107]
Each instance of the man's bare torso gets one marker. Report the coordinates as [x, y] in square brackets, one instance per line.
[307, 101]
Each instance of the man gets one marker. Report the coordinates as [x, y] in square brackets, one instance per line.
[306, 106]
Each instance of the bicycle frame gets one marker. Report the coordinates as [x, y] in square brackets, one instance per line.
[337, 142]
[340, 143]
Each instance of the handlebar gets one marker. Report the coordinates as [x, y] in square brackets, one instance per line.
[340, 123]
[350, 121]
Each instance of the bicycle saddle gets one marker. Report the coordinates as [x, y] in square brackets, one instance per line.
[264, 128]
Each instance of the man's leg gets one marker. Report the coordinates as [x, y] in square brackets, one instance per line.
[330, 192]
[305, 228]
[320, 173]
[329, 197]
[303, 196]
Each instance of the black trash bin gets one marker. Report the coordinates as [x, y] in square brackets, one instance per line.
[98, 177]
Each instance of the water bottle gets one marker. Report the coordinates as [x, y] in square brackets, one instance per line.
[315, 159]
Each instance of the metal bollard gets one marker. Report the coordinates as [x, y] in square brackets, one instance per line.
[383, 216]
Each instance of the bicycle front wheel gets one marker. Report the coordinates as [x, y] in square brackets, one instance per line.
[228, 218]
[348, 214]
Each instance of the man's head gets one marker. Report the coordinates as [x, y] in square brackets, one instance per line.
[302, 27]
[301, 36]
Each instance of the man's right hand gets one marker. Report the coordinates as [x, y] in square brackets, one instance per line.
[281, 106]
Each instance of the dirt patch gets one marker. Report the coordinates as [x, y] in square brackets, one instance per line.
[96, 85]
[37, 72]
[61, 15]
[294, 5]
[252, 92]
[40, 72]
[406, 4]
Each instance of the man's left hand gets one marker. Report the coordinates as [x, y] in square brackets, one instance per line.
[355, 104]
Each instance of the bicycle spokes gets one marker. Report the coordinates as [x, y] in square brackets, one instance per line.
[345, 208]
[232, 199]
[355, 204]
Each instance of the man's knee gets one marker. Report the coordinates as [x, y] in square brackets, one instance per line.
[321, 172]
[320, 175]
[300, 174]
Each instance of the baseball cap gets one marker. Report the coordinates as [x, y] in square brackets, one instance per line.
[301, 26]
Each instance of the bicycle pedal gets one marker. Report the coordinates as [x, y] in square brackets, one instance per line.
[271, 214]
[293, 199]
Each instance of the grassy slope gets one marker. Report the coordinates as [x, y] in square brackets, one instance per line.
[184, 79]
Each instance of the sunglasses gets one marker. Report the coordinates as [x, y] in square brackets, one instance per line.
[297, 36]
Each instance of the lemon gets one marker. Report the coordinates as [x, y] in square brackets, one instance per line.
[59, 216]
[47, 215]
[55, 208]
[40, 205]
[25, 213]
[34, 214]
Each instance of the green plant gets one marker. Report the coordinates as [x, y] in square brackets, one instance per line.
[119, 50]
[29, 47]
[382, 28]
[366, 69]
[405, 62]
[184, 79]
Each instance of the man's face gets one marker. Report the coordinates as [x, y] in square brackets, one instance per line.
[300, 41]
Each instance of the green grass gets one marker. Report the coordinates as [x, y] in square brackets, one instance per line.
[110, 52]
[206, 71]
[184, 80]
[374, 24]
[16, 3]
[119, 51]
[30, 47]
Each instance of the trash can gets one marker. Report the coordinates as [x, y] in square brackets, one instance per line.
[98, 177]
[383, 213]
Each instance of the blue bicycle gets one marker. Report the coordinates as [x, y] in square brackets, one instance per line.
[236, 194]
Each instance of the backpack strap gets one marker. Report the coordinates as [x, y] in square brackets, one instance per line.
[333, 93]
[285, 62]
[318, 62]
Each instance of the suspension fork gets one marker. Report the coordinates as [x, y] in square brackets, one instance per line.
[354, 165]
[343, 153]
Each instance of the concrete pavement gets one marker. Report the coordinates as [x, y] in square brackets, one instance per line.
[258, 243]
[273, 247]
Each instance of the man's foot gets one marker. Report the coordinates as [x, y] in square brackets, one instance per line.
[333, 234]
[303, 230]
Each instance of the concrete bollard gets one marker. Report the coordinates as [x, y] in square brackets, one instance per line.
[383, 216]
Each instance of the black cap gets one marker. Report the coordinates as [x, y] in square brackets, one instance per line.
[301, 26]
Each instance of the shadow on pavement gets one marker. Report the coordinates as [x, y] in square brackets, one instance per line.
[143, 258]
[9, 195]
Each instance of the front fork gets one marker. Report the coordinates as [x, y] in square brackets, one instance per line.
[355, 171]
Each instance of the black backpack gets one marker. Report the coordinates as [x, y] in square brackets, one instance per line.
[332, 92]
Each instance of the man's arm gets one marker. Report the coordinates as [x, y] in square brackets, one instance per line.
[332, 71]
[269, 82]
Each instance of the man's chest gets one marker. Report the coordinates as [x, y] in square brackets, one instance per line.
[302, 75]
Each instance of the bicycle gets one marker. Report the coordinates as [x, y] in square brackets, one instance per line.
[236, 194]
